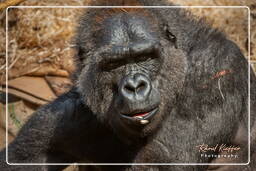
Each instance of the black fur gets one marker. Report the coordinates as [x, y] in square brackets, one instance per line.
[198, 81]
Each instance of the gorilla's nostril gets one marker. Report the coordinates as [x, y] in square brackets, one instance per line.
[141, 86]
[129, 88]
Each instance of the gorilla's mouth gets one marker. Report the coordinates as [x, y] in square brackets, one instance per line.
[142, 117]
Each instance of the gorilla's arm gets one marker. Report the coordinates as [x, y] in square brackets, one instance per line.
[39, 139]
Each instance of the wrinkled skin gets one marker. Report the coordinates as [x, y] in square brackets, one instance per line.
[151, 85]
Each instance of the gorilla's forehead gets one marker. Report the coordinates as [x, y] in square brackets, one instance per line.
[124, 29]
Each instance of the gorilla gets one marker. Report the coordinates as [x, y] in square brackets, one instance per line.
[151, 85]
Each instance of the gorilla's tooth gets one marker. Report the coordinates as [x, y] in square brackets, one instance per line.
[139, 117]
[144, 122]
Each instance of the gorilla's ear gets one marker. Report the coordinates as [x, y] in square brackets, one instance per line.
[80, 55]
[79, 52]
[170, 36]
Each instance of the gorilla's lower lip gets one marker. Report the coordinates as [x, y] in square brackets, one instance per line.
[142, 115]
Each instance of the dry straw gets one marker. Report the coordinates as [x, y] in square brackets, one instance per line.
[40, 40]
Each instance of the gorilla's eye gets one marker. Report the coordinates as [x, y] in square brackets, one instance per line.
[111, 65]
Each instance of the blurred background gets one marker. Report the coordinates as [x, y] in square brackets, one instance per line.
[40, 50]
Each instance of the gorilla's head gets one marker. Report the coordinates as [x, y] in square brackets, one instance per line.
[129, 68]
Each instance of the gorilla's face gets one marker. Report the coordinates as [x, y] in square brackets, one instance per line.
[126, 80]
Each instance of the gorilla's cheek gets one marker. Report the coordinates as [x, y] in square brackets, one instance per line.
[96, 93]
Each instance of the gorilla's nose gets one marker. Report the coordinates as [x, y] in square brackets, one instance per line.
[135, 87]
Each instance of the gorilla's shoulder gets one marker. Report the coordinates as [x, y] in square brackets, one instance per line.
[67, 108]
